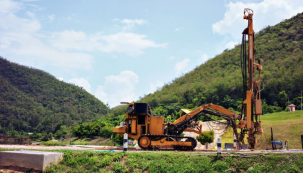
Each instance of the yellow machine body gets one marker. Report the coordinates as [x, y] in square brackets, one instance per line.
[152, 132]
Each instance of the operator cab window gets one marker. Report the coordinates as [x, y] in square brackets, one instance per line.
[141, 119]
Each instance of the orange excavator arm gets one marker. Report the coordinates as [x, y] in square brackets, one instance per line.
[204, 107]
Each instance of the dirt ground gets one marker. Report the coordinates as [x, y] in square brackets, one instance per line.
[70, 147]
[14, 169]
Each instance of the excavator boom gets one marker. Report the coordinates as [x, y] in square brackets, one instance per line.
[200, 109]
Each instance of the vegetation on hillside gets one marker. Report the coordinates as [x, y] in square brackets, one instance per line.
[219, 80]
[32, 100]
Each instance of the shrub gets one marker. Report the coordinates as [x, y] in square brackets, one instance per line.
[206, 137]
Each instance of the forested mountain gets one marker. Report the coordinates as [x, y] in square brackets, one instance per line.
[219, 80]
[32, 100]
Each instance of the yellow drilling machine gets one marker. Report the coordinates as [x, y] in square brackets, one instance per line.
[153, 133]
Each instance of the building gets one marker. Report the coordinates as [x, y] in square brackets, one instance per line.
[292, 107]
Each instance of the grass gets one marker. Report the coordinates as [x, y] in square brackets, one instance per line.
[59, 143]
[286, 126]
[283, 116]
[95, 141]
[228, 137]
[172, 161]
[91, 161]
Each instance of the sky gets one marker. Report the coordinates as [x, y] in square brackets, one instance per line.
[119, 50]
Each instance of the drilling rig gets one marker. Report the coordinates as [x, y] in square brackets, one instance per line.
[252, 103]
[153, 133]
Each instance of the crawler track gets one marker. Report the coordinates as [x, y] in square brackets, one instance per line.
[169, 138]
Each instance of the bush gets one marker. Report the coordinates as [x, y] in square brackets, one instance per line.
[106, 131]
[62, 132]
[36, 136]
[206, 137]
[96, 128]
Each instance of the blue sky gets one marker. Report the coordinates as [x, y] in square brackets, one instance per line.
[121, 50]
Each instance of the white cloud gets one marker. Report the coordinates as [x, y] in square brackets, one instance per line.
[115, 19]
[60, 78]
[29, 47]
[171, 58]
[30, 14]
[8, 6]
[129, 24]
[122, 42]
[181, 66]
[267, 12]
[9, 24]
[118, 88]
[81, 83]
[178, 29]
[71, 17]
[23, 41]
[51, 17]
[156, 86]
[204, 57]
[30, 0]
[134, 21]
[231, 44]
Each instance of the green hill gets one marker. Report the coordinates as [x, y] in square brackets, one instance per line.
[219, 80]
[34, 101]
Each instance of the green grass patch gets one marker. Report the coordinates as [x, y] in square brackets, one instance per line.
[91, 161]
[154, 162]
[282, 116]
[286, 126]
[82, 141]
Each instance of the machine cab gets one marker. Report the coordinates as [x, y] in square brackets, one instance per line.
[139, 121]
[136, 118]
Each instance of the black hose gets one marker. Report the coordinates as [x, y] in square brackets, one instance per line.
[244, 69]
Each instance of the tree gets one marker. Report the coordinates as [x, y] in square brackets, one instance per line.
[215, 99]
[106, 131]
[62, 132]
[282, 98]
[266, 109]
[206, 137]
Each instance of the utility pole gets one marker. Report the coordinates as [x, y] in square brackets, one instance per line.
[288, 104]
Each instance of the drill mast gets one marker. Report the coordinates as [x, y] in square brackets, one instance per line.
[252, 104]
